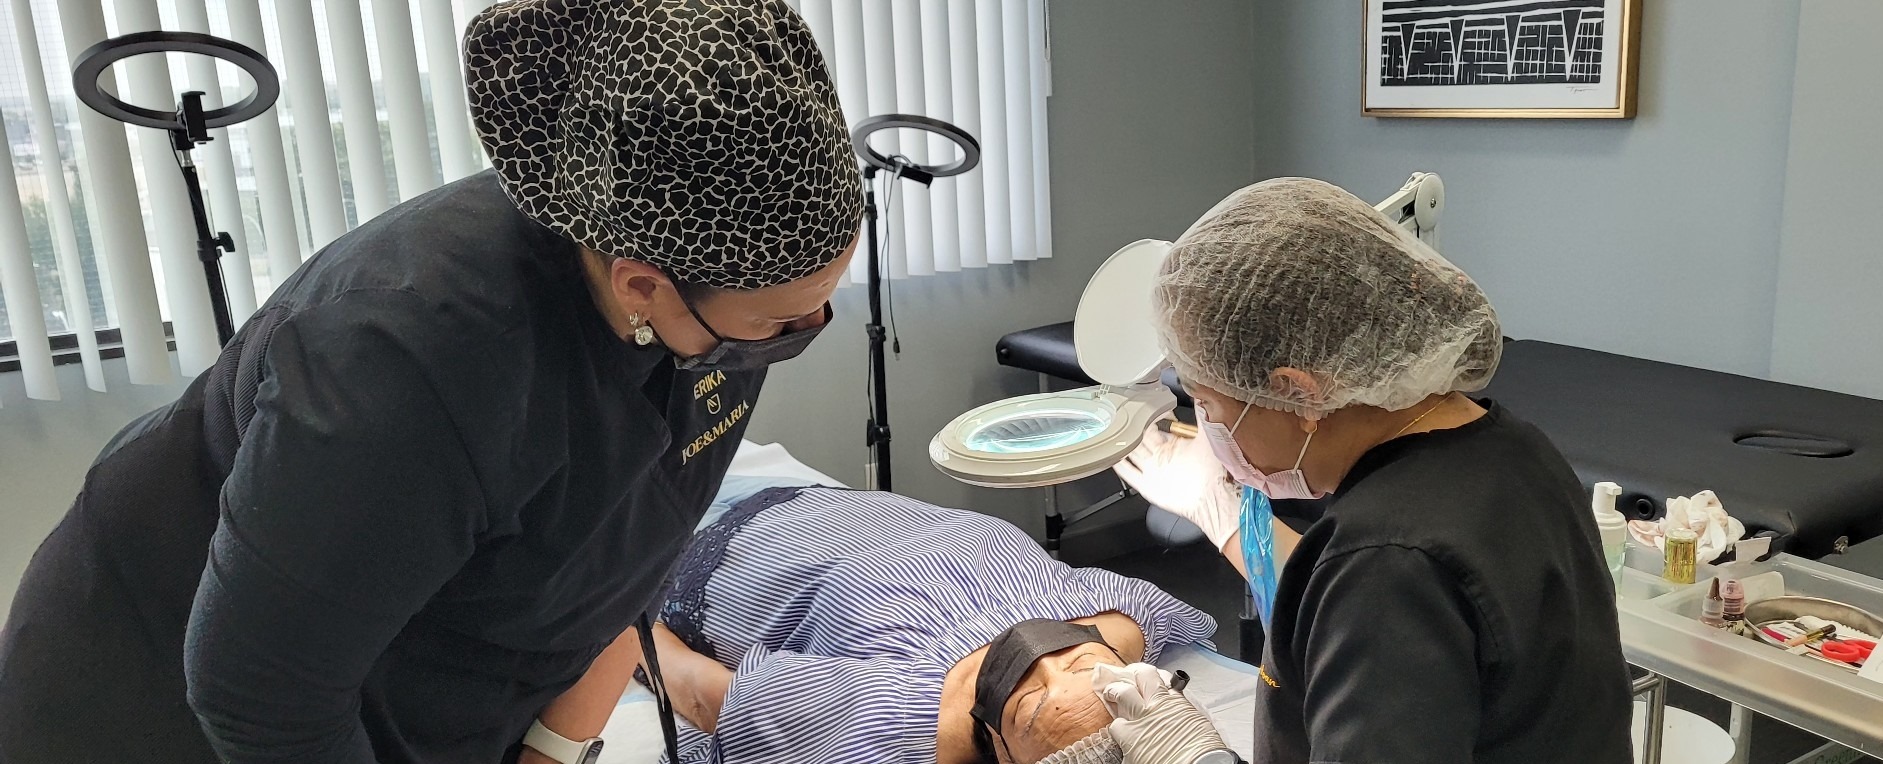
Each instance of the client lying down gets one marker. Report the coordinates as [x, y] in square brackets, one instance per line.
[821, 625]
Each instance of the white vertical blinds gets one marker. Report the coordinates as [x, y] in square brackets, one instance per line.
[405, 99]
[458, 151]
[306, 98]
[845, 60]
[113, 211]
[1019, 91]
[373, 112]
[965, 75]
[879, 57]
[938, 102]
[1039, 65]
[916, 201]
[991, 49]
[67, 262]
[281, 228]
[979, 64]
[18, 286]
[365, 155]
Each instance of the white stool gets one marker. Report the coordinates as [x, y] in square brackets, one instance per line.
[1686, 738]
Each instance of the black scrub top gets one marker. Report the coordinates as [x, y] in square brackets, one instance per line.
[1451, 605]
[416, 496]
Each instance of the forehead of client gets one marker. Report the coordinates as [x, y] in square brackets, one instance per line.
[1054, 706]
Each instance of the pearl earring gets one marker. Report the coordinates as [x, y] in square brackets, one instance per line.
[643, 333]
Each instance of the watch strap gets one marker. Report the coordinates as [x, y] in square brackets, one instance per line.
[547, 742]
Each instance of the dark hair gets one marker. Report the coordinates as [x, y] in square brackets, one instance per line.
[984, 744]
[693, 291]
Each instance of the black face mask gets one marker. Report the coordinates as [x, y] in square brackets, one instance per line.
[748, 355]
[1008, 658]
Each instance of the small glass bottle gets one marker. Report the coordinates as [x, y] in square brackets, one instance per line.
[1733, 606]
[1679, 555]
[1713, 608]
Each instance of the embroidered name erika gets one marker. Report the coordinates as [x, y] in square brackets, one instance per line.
[712, 434]
[708, 384]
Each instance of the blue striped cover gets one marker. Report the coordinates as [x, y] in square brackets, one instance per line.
[841, 612]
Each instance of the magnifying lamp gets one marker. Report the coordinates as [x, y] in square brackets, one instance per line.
[188, 125]
[1051, 438]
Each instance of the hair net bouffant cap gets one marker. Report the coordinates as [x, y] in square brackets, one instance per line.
[1297, 273]
[700, 136]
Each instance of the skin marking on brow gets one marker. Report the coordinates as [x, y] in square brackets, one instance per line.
[1027, 728]
[1037, 710]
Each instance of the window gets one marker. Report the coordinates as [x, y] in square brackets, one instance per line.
[101, 248]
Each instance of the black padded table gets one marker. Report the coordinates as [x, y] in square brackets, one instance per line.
[1865, 558]
[1805, 463]
[1048, 350]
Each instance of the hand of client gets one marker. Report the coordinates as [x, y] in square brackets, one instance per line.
[696, 684]
[1180, 475]
[1154, 724]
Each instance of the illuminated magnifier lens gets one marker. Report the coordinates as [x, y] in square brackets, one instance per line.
[1038, 430]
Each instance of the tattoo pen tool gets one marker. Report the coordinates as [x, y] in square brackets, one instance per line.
[1177, 428]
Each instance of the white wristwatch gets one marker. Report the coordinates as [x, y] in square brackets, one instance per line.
[545, 741]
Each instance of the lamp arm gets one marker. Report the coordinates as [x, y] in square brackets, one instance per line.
[1417, 205]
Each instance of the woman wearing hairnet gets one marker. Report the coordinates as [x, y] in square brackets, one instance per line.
[453, 458]
[1452, 604]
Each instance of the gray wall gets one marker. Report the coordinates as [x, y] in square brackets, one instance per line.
[1830, 259]
[1151, 115]
[1654, 237]
[45, 448]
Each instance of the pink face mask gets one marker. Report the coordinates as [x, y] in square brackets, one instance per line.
[1288, 484]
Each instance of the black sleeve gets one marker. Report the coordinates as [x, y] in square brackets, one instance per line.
[1390, 660]
[352, 500]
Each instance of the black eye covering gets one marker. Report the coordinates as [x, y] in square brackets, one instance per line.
[1009, 657]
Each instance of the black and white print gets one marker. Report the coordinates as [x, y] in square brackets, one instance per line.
[1500, 58]
[1491, 42]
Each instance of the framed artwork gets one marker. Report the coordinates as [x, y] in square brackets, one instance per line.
[1501, 58]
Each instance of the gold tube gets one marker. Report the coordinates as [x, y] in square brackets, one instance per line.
[1679, 556]
[1182, 430]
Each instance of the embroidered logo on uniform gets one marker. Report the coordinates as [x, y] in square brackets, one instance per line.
[712, 405]
[1263, 670]
[708, 384]
[713, 433]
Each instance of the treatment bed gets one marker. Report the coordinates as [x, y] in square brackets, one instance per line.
[1221, 685]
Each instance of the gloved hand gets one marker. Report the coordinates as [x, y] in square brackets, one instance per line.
[1180, 475]
[1153, 723]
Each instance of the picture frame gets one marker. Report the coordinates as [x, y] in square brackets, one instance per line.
[1501, 59]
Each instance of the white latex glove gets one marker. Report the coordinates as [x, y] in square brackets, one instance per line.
[1153, 723]
[1180, 475]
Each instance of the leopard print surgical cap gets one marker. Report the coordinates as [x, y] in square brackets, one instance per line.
[700, 136]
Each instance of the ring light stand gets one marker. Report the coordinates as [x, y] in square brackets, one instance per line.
[188, 125]
[876, 434]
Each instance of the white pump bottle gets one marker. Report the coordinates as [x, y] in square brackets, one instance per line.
[1614, 529]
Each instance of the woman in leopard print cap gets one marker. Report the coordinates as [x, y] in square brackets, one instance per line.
[451, 461]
